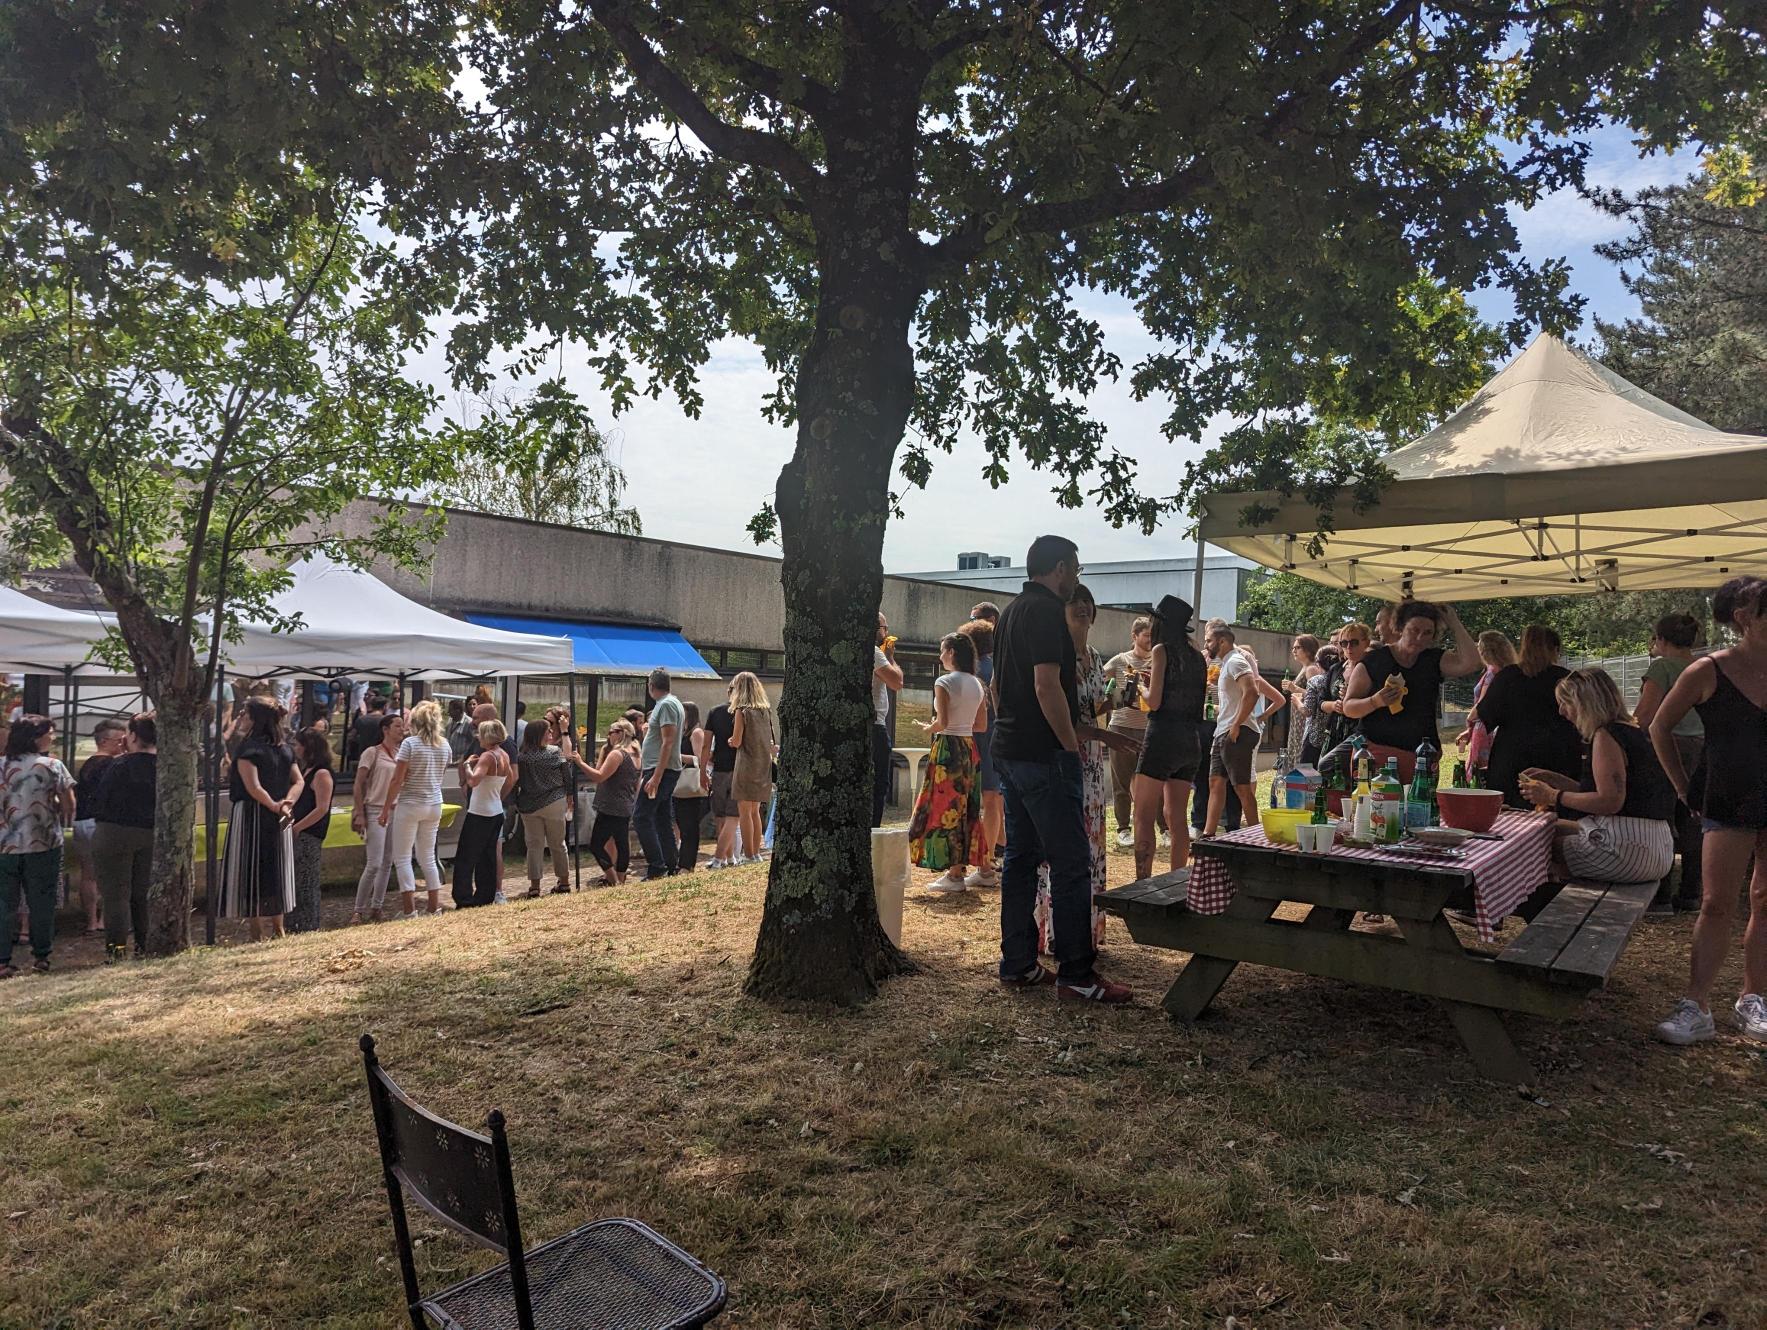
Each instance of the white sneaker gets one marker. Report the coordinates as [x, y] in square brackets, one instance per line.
[1165, 840]
[713, 865]
[500, 898]
[1687, 1024]
[982, 878]
[1125, 840]
[945, 884]
[1751, 1016]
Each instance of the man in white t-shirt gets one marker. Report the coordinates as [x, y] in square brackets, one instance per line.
[1237, 726]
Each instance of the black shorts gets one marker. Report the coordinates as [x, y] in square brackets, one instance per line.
[1234, 760]
[1169, 750]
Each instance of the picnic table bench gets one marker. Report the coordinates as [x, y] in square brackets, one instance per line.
[1572, 943]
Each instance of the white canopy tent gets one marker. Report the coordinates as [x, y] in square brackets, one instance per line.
[352, 622]
[39, 638]
[1558, 477]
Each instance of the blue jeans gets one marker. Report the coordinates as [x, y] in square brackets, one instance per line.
[654, 821]
[1045, 821]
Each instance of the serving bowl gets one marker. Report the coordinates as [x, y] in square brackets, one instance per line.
[1469, 810]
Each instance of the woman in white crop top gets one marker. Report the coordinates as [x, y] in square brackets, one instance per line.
[946, 830]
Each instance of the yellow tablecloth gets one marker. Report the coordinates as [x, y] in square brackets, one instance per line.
[339, 835]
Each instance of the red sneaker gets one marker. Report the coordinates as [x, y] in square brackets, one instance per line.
[1095, 989]
[1035, 977]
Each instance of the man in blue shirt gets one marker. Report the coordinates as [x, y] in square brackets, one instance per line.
[659, 764]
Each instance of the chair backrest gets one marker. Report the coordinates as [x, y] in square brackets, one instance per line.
[461, 1178]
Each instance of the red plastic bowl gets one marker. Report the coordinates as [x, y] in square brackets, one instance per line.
[1470, 810]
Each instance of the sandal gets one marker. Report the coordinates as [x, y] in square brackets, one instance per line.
[533, 893]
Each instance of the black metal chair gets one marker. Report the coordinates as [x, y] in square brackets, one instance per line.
[615, 1274]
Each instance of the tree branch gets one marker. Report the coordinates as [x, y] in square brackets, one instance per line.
[1063, 216]
[752, 147]
[800, 90]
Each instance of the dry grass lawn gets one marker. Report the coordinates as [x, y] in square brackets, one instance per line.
[188, 1143]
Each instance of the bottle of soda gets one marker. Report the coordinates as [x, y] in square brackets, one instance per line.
[1362, 763]
[1389, 797]
[1423, 783]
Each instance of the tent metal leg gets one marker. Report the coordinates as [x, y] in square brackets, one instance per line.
[211, 816]
[69, 716]
[1196, 580]
[576, 811]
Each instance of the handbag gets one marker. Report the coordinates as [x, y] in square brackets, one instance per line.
[692, 782]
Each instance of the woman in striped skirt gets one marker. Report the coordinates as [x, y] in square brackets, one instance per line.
[1614, 823]
[257, 874]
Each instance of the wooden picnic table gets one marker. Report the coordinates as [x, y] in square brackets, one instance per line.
[1570, 946]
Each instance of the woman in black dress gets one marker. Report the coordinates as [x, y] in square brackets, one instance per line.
[1177, 680]
[311, 819]
[257, 872]
[1521, 710]
[1729, 688]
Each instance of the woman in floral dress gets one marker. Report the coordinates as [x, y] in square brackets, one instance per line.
[946, 829]
[1094, 767]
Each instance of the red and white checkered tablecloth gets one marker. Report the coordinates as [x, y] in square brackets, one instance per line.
[1505, 872]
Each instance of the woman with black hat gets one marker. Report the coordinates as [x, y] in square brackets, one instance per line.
[1176, 684]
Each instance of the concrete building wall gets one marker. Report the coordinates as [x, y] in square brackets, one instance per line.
[716, 598]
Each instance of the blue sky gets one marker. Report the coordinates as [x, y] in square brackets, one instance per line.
[700, 481]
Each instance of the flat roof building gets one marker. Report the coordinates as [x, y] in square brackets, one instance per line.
[1128, 584]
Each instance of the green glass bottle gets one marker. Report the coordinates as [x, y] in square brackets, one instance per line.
[1321, 807]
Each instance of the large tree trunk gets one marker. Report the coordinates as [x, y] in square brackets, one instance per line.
[179, 721]
[820, 937]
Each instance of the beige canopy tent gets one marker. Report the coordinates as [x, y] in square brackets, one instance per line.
[1557, 478]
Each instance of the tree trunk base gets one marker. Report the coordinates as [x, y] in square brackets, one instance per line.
[841, 964]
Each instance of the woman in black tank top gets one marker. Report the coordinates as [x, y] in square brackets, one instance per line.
[1729, 688]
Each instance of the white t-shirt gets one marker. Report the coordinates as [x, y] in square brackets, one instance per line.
[963, 694]
[1231, 687]
[880, 691]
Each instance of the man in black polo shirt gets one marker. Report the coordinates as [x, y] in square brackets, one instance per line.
[1037, 753]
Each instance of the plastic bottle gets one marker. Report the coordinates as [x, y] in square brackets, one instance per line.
[1361, 762]
[1362, 821]
[1389, 810]
[1422, 798]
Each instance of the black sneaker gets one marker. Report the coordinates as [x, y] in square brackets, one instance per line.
[1035, 977]
[114, 952]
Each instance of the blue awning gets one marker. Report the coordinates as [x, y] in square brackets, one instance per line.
[612, 648]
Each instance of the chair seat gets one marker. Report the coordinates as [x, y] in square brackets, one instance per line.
[615, 1274]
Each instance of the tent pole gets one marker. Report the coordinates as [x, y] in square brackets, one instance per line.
[577, 748]
[1196, 581]
[211, 815]
[70, 715]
